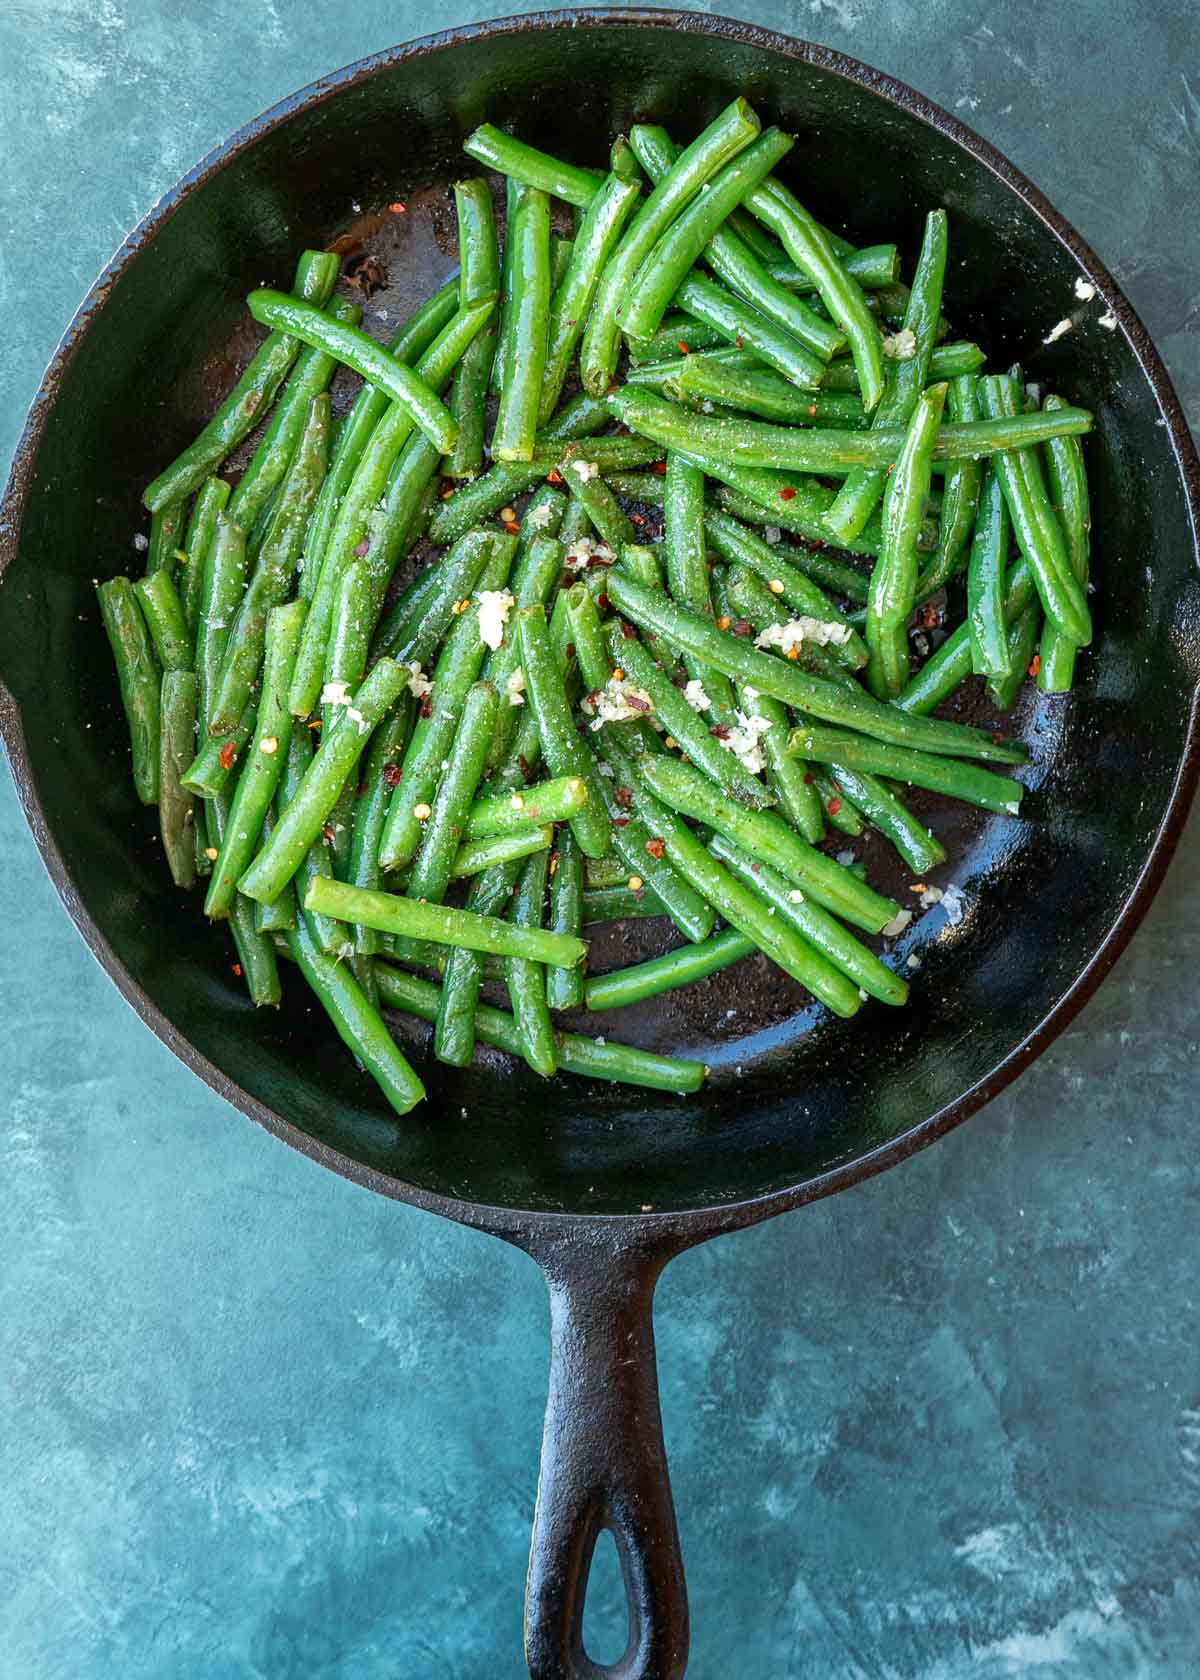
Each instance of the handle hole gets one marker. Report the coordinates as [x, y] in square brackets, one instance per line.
[606, 1605]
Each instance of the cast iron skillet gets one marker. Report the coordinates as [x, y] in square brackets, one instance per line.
[600, 1185]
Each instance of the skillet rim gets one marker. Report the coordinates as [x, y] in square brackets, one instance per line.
[668, 1231]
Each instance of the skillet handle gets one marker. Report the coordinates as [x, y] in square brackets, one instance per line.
[603, 1466]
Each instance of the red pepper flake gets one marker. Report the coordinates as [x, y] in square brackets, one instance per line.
[227, 754]
[724, 622]
[638, 518]
[659, 467]
[678, 679]
[554, 476]
[742, 628]
[808, 778]
[523, 767]
[638, 704]
[391, 775]
[928, 617]
[327, 833]
[237, 969]
[624, 797]
[397, 209]
[602, 602]
[787, 494]
[834, 807]
[655, 848]
[426, 707]
[1035, 665]
[682, 348]
[817, 542]
[812, 408]
[738, 342]
[997, 738]
[511, 526]
[361, 548]
[620, 822]
[720, 731]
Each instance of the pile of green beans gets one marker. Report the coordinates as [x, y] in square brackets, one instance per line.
[448, 682]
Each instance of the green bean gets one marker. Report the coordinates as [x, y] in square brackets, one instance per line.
[636, 841]
[1038, 534]
[356, 350]
[394, 529]
[482, 497]
[563, 751]
[243, 408]
[1022, 639]
[906, 379]
[734, 543]
[886, 812]
[871, 266]
[670, 259]
[211, 498]
[787, 777]
[556, 800]
[345, 666]
[163, 612]
[986, 581]
[356, 1023]
[274, 571]
[560, 258]
[499, 151]
[838, 946]
[502, 361]
[474, 856]
[538, 568]
[339, 752]
[743, 909]
[803, 449]
[458, 666]
[457, 575]
[951, 664]
[940, 775]
[272, 458]
[619, 904]
[766, 393]
[812, 695]
[832, 574]
[406, 611]
[594, 244]
[768, 837]
[454, 1034]
[582, 478]
[590, 1058]
[947, 361]
[479, 266]
[687, 569]
[683, 967]
[521, 385]
[166, 534]
[358, 511]
[526, 980]
[807, 244]
[413, 338]
[279, 917]
[264, 766]
[210, 770]
[137, 674]
[894, 581]
[684, 723]
[743, 324]
[176, 807]
[224, 583]
[564, 986]
[591, 651]
[370, 810]
[839, 810]
[610, 871]
[960, 501]
[676, 332]
[255, 950]
[729, 134]
[330, 935]
[441, 923]
[733, 260]
[1069, 494]
[434, 863]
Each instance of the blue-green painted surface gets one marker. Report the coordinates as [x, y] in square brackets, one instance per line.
[254, 1422]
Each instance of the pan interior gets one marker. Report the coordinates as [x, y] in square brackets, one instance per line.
[792, 1093]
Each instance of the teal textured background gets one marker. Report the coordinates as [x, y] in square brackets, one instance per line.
[256, 1422]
